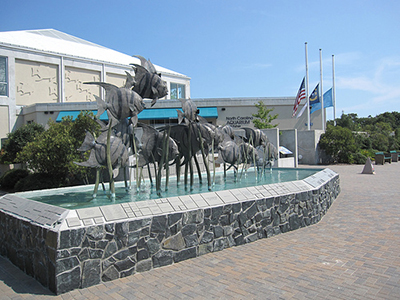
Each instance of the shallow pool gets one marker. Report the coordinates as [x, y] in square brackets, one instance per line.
[74, 198]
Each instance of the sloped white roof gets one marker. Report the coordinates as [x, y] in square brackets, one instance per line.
[60, 43]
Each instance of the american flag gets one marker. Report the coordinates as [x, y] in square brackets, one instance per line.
[301, 94]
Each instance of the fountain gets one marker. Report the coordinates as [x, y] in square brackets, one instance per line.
[66, 249]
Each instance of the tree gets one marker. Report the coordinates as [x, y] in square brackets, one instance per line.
[379, 141]
[54, 151]
[349, 121]
[17, 140]
[263, 118]
[339, 143]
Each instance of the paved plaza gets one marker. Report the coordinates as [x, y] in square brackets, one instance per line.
[352, 253]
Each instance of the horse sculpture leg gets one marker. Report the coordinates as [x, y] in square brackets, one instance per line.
[198, 169]
[96, 185]
[109, 164]
[205, 162]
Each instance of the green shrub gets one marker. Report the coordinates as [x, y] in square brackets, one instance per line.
[54, 150]
[339, 143]
[17, 140]
[368, 153]
[359, 158]
[10, 178]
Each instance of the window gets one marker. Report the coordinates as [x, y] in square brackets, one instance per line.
[3, 76]
[163, 122]
[178, 91]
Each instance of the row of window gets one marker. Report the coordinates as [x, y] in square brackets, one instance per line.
[3, 76]
[177, 91]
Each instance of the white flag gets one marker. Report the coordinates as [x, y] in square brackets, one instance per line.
[302, 110]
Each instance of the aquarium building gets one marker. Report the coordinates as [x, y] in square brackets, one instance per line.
[42, 75]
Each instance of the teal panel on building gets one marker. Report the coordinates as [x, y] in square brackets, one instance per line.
[148, 114]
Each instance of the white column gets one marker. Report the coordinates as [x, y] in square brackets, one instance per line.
[61, 81]
[322, 91]
[307, 97]
[103, 79]
[333, 90]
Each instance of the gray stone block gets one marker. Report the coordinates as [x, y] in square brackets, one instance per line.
[188, 229]
[251, 238]
[122, 229]
[207, 237]
[67, 264]
[153, 245]
[142, 254]
[90, 273]
[107, 263]
[224, 220]
[144, 265]
[193, 217]
[294, 222]
[219, 244]
[174, 218]
[124, 265]
[84, 255]
[218, 231]
[162, 258]
[236, 207]
[175, 242]
[191, 240]
[71, 238]
[95, 232]
[110, 249]
[69, 281]
[206, 248]
[185, 254]
[133, 238]
[227, 209]
[109, 228]
[159, 224]
[216, 213]
[102, 244]
[110, 274]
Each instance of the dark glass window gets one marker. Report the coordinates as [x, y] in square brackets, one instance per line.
[3, 76]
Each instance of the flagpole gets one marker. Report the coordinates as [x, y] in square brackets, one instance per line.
[307, 97]
[333, 90]
[322, 91]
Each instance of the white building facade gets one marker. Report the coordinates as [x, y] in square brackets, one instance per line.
[49, 66]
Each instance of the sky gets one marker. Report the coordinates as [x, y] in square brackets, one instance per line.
[243, 48]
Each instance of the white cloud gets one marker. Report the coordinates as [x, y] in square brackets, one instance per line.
[356, 83]
[382, 81]
[368, 86]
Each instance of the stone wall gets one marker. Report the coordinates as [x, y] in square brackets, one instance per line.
[30, 247]
[90, 255]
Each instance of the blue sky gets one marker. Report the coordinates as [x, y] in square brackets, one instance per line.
[243, 48]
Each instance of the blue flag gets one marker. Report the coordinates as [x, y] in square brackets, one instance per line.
[314, 97]
[328, 102]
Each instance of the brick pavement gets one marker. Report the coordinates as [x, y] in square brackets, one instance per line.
[352, 253]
